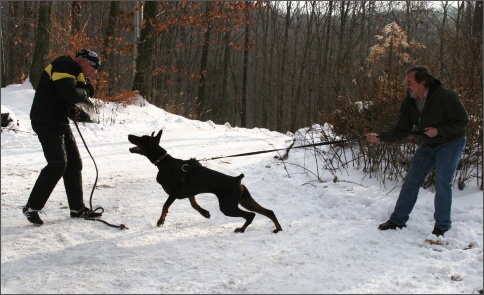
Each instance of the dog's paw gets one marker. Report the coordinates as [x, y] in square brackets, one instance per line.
[160, 222]
[277, 230]
[239, 230]
[205, 214]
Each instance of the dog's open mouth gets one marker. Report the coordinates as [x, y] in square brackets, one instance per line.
[135, 149]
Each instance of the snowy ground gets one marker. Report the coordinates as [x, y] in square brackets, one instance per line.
[329, 244]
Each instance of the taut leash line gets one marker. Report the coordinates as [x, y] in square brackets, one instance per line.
[276, 150]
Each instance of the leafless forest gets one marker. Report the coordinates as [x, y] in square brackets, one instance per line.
[281, 65]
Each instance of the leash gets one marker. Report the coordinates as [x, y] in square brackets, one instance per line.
[286, 149]
[121, 226]
[16, 130]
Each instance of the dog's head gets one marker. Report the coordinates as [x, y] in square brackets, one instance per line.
[144, 144]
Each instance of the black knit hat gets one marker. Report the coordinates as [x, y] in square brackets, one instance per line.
[91, 56]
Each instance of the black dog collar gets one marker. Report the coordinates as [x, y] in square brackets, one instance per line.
[160, 159]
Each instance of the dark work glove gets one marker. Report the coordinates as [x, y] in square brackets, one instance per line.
[90, 90]
[73, 113]
[88, 86]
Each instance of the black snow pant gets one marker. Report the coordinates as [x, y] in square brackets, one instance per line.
[63, 160]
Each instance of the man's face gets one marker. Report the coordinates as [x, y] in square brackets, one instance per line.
[87, 68]
[416, 90]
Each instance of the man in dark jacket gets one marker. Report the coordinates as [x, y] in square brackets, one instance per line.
[63, 82]
[439, 116]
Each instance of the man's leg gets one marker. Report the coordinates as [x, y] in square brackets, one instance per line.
[73, 174]
[51, 137]
[73, 180]
[447, 159]
[422, 162]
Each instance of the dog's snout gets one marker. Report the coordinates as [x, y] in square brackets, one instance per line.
[135, 140]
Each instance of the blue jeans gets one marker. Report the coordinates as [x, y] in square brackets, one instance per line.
[444, 158]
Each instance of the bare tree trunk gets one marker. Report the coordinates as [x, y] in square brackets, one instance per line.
[477, 34]
[3, 59]
[445, 8]
[344, 9]
[282, 71]
[322, 97]
[243, 111]
[460, 11]
[203, 65]
[18, 20]
[225, 77]
[143, 78]
[477, 19]
[108, 49]
[76, 14]
[298, 100]
[408, 14]
[266, 71]
[41, 42]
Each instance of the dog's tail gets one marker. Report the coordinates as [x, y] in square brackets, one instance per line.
[238, 179]
[239, 183]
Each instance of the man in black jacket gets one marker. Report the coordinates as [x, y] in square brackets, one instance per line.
[440, 117]
[63, 82]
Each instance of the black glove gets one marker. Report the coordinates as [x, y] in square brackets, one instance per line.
[73, 113]
[90, 90]
[88, 86]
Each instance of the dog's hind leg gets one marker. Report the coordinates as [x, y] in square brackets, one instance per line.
[249, 216]
[197, 207]
[232, 209]
[249, 203]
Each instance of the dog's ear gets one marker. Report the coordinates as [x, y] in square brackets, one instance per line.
[152, 134]
[158, 136]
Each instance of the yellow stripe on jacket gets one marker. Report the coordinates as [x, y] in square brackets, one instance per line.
[57, 76]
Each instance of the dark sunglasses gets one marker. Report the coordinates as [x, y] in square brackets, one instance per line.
[91, 63]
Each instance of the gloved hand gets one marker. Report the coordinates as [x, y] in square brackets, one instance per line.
[88, 86]
[73, 113]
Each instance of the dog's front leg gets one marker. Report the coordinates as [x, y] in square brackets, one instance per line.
[166, 206]
[197, 207]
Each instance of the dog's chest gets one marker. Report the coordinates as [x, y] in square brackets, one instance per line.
[170, 180]
[173, 177]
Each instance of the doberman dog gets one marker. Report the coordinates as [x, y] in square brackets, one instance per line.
[186, 178]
